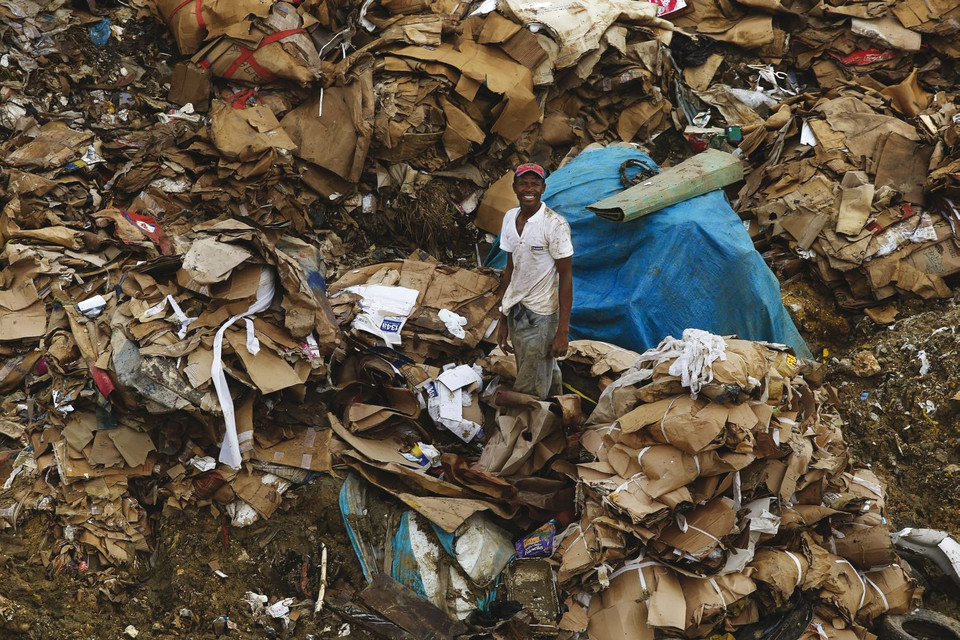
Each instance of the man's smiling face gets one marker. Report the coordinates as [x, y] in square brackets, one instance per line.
[529, 187]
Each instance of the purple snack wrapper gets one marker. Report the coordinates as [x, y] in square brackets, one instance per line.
[539, 544]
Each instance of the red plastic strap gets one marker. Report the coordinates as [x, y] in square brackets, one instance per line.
[260, 70]
[239, 99]
[178, 7]
[205, 63]
[200, 21]
[247, 55]
[196, 9]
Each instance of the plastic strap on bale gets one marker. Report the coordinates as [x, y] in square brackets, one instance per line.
[246, 55]
[196, 10]
[796, 561]
[239, 99]
[883, 597]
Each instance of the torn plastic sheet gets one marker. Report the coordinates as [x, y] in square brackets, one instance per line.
[695, 354]
[782, 83]
[424, 557]
[185, 112]
[483, 549]
[762, 522]
[90, 158]
[24, 461]
[387, 328]
[454, 323]
[867, 56]
[938, 546]
[485, 7]
[149, 227]
[92, 307]
[898, 235]
[230, 449]
[445, 406]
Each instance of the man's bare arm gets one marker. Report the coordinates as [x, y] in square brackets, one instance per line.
[502, 331]
[562, 340]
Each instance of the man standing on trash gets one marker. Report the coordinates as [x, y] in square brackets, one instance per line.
[534, 311]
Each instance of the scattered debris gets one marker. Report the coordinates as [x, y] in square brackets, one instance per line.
[217, 289]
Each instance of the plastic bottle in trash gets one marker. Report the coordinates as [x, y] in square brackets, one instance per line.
[100, 32]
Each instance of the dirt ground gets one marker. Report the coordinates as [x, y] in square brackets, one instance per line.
[181, 596]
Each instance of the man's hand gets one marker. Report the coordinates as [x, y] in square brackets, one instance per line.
[560, 344]
[502, 334]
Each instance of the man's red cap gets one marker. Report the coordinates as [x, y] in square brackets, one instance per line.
[528, 167]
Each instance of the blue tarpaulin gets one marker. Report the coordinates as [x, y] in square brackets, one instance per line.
[691, 265]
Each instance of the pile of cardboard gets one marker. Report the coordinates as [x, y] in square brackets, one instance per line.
[719, 490]
[100, 345]
[405, 94]
[225, 334]
[857, 181]
[162, 263]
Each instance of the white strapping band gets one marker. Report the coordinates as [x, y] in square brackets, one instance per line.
[796, 561]
[640, 455]
[182, 318]
[737, 492]
[716, 587]
[664, 418]
[706, 533]
[638, 567]
[883, 598]
[863, 594]
[230, 449]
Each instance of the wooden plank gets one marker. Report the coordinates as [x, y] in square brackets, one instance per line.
[372, 622]
[409, 611]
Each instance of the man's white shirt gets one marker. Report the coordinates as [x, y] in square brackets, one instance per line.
[545, 239]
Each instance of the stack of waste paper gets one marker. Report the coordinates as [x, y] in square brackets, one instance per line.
[102, 339]
[423, 105]
[719, 492]
[856, 182]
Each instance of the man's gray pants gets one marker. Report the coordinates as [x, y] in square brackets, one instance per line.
[532, 334]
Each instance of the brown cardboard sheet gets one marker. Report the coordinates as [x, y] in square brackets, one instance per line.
[307, 450]
[497, 200]
[902, 164]
[245, 134]
[855, 199]
[190, 84]
[703, 528]
[266, 369]
[861, 125]
[23, 315]
[501, 74]
[342, 120]
[525, 434]
[54, 145]
[690, 425]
